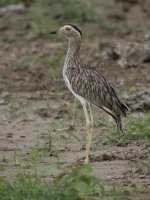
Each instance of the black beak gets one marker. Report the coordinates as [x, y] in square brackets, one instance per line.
[54, 31]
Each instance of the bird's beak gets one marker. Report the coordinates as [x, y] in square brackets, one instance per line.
[54, 31]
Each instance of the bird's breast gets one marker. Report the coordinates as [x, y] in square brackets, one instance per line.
[64, 74]
[68, 84]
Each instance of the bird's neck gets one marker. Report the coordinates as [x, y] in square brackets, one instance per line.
[73, 50]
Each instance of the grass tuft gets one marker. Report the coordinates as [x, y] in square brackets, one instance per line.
[72, 11]
[74, 182]
[136, 129]
[9, 2]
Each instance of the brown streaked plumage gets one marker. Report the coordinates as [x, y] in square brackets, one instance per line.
[87, 85]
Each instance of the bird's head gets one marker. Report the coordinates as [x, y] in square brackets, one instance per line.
[69, 31]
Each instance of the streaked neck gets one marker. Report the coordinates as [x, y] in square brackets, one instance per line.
[73, 49]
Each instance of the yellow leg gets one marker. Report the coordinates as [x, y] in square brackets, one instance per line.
[89, 124]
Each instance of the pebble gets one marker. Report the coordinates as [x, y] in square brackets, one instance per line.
[142, 176]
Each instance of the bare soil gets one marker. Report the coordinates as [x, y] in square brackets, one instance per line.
[33, 104]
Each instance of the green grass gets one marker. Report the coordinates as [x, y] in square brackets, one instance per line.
[9, 39]
[136, 129]
[9, 2]
[18, 109]
[58, 58]
[74, 182]
[18, 113]
[35, 95]
[2, 161]
[49, 66]
[47, 15]
[110, 25]
[72, 11]
[51, 145]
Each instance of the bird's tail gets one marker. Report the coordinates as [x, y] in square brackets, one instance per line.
[116, 117]
[118, 123]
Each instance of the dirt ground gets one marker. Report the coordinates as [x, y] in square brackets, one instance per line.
[37, 110]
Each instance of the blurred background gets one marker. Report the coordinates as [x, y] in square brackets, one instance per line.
[40, 121]
[32, 59]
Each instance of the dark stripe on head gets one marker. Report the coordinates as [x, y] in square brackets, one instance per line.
[77, 28]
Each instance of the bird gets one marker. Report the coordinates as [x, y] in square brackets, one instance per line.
[87, 85]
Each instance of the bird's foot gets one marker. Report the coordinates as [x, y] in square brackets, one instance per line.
[86, 160]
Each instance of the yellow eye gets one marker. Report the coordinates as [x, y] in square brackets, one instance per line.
[68, 29]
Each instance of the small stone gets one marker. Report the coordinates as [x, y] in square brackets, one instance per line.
[142, 176]
[109, 177]
[22, 136]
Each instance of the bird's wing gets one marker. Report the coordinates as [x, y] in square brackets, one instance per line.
[94, 87]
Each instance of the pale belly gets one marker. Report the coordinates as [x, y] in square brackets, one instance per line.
[82, 100]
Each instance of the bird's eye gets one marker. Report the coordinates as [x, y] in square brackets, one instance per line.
[68, 29]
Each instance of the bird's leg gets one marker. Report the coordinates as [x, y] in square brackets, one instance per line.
[88, 139]
[91, 124]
